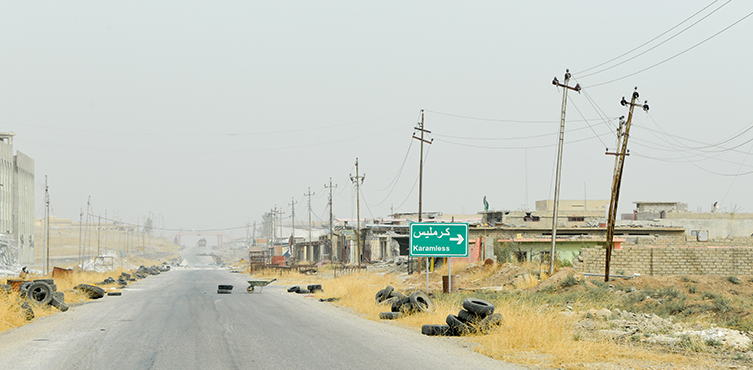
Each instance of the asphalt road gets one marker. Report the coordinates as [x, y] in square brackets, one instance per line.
[176, 320]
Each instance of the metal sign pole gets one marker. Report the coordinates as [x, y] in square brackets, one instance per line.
[449, 275]
[427, 276]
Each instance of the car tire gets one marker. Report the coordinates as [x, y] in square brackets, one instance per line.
[458, 327]
[421, 302]
[94, 292]
[39, 293]
[294, 289]
[478, 307]
[490, 322]
[390, 315]
[397, 306]
[435, 330]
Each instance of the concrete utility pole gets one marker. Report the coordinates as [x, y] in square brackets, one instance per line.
[619, 163]
[332, 251]
[421, 129]
[358, 180]
[310, 250]
[555, 213]
[292, 233]
[47, 226]
[80, 221]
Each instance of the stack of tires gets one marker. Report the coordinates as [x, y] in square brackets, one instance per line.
[41, 292]
[476, 317]
[401, 305]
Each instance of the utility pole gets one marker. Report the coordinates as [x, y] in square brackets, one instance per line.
[99, 229]
[619, 163]
[80, 224]
[47, 226]
[332, 251]
[555, 213]
[310, 250]
[421, 129]
[292, 233]
[358, 180]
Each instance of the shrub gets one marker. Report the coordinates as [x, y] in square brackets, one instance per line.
[693, 289]
[569, 281]
[733, 279]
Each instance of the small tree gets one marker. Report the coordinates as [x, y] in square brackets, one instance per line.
[148, 226]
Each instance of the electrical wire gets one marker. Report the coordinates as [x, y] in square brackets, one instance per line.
[519, 147]
[672, 57]
[508, 138]
[490, 119]
[415, 182]
[661, 43]
[167, 229]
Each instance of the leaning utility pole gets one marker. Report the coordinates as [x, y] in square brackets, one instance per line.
[358, 180]
[420, 128]
[619, 163]
[332, 251]
[309, 250]
[292, 233]
[555, 213]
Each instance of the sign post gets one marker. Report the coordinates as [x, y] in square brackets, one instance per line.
[439, 240]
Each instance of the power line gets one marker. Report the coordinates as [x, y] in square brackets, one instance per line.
[493, 119]
[672, 57]
[661, 43]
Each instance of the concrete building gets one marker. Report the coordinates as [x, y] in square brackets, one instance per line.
[699, 226]
[17, 198]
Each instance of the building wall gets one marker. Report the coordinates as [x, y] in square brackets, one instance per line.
[659, 261]
[573, 205]
[6, 190]
[23, 204]
[719, 225]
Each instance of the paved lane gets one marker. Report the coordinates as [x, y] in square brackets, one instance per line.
[177, 321]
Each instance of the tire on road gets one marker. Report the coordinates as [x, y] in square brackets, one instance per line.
[478, 307]
[294, 289]
[114, 293]
[458, 327]
[39, 293]
[93, 292]
[313, 288]
[436, 330]
[390, 315]
[250, 289]
[59, 303]
[421, 302]
[303, 291]
[224, 291]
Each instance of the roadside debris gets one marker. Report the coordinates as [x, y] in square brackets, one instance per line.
[224, 289]
[476, 317]
[311, 288]
[402, 305]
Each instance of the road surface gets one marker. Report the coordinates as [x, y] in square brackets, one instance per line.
[176, 320]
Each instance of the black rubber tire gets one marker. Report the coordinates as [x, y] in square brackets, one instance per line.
[250, 289]
[94, 292]
[490, 322]
[421, 302]
[225, 287]
[23, 288]
[390, 315]
[125, 275]
[60, 296]
[396, 294]
[398, 306]
[303, 291]
[388, 291]
[54, 287]
[28, 312]
[458, 327]
[313, 288]
[468, 317]
[224, 291]
[294, 289]
[39, 293]
[436, 330]
[114, 293]
[59, 304]
[380, 297]
[478, 307]
[389, 301]
[48, 281]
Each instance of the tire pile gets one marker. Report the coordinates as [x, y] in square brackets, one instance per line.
[476, 317]
[38, 293]
[311, 288]
[402, 305]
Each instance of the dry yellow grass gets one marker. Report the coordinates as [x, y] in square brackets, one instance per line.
[530, 335]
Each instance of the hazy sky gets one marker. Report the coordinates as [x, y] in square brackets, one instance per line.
[209, 114]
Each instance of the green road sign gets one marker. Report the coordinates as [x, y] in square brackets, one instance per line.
[438, 240]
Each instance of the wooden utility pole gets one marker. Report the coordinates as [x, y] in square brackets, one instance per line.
[310, 250]
[358, 180]
[421, 129]
[621, 151]
[555, 212]
[332, 251]
[292, 233]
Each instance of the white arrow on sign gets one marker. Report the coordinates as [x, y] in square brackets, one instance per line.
[459, 239]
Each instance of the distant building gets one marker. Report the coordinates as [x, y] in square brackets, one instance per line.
[17, 198]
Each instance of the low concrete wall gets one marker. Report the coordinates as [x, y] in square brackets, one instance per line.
[660, 261]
